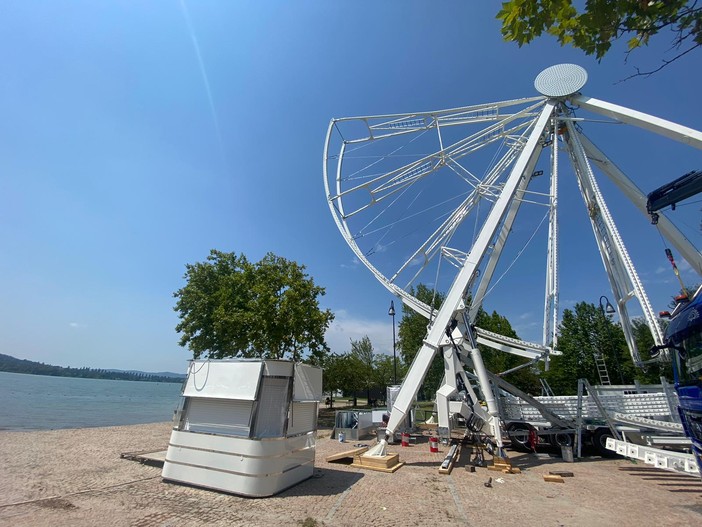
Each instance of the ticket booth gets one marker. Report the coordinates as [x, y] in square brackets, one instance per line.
[245, 426]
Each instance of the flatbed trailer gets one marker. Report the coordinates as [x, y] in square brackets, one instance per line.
[646, 414]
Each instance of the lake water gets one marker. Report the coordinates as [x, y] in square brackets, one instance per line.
[38, 402]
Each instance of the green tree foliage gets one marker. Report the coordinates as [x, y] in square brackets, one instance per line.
[350, 375]
[594, 26]
[364, 358]
[585, 332]
[383, 370]
[413, 329]
[14, 365]
[359, 370]
[231, 307]
[333, 377]
[498, 361]
[411, 333]
[644, 342]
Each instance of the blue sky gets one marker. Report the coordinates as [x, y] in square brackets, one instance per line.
[137, 136]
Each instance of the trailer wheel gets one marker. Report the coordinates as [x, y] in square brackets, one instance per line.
[599, 441]
[519, 436]
[561, 439]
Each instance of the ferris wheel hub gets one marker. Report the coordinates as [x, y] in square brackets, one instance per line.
[560, 80]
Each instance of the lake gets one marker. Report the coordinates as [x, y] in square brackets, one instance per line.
[38, 402]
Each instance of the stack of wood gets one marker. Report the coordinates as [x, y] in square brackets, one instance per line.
[504, 465]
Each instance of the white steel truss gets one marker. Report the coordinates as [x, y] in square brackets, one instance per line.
[379, 176]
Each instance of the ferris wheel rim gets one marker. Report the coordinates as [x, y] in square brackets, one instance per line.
[334, 193]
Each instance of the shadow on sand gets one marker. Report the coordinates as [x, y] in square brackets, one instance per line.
[324, 482]
[671, 481]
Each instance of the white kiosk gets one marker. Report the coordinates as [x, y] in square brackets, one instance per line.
[246, 426]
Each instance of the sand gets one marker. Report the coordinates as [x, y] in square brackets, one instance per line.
[77, 478]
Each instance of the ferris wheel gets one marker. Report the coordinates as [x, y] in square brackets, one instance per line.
[431, 199]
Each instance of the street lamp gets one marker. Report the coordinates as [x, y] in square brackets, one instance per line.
[391, 312]
[608, 309]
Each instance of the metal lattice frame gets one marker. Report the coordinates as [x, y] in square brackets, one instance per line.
[523, 128]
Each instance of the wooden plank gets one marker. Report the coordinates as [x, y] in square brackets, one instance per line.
[450, 459]
[553, 479]
[346, 454]
[561, 473]
[147, 458]
[501, 464]
[389, 470]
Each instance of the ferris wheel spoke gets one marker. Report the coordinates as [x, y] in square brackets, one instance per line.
[385, 210]
[406, 189]
[393, 125]
[438, 241]
[385, 185]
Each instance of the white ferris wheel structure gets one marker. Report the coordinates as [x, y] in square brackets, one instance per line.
[432, 198]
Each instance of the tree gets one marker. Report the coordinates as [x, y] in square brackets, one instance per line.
[584, 333]
[333, 378]
[384, 370]
[498, 361]
[594, 27]
[231, 307]
[358, 370]
[351, 373]
[644, 342]
[411, 333]
[362, 353]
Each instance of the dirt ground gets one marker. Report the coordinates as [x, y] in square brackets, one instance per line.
[77, 478]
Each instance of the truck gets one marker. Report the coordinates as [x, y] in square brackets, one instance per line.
[682, 345]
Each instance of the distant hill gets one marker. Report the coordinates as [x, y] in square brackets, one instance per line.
[14, 365]
[180, 376]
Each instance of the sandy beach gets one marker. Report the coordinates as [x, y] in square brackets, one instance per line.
[77, 478]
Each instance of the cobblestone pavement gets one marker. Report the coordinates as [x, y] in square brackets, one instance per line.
[76, 478]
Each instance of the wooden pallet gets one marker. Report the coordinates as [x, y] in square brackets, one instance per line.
[359, 458]
[389, 463]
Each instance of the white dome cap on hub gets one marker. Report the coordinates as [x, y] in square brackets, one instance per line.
[560, 80]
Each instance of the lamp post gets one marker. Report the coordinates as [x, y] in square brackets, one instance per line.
[391, 312]
[607, 310]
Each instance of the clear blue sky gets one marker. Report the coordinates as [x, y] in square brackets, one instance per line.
[137, 136]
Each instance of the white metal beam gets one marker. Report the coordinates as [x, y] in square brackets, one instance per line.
[671, 233]
[550, 329]
[623, 277]
[678, 132]
[454, 298]
[489, 270]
